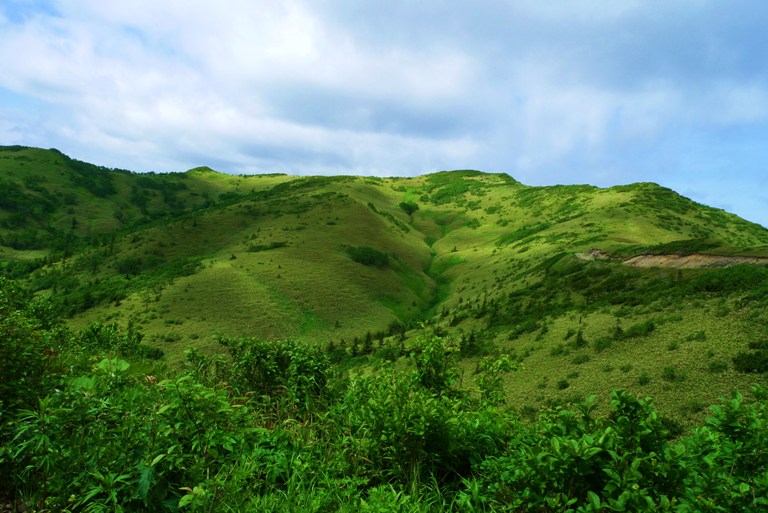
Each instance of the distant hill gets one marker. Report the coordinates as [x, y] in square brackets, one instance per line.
[365, 264]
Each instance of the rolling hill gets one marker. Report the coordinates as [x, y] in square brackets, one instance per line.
[582, 286]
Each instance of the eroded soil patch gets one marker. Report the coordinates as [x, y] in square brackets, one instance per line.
[694, 260]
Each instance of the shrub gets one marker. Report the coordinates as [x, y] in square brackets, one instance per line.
[601, 344]
[575, 461]
[671, 374]
[255, 248]
[717, 366]
[435, 365]
[579, 342]
[275, 369]
[409, 207]
[30, 339]
[751, 361]
[642, 329]
[367, 255]
[582, 358]
[406, 432]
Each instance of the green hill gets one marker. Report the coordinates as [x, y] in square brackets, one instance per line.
[499, 267]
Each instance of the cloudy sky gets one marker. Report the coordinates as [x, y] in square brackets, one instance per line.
[579, 91]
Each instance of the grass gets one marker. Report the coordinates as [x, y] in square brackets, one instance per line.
[469, 261]
[644, 365]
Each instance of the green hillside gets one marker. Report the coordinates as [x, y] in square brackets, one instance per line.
[456, 341]
[351, 262]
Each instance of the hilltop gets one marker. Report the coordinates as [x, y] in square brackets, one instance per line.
[364, 265]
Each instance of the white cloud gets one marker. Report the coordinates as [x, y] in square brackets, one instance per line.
[589, 91]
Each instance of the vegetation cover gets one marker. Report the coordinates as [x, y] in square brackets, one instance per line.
[273, 427]
[454, 341]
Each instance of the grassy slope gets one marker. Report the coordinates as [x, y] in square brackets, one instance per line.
[476, 238]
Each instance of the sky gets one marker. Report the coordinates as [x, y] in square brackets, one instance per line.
[550, 92]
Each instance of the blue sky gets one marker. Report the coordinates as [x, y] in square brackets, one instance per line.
[584, 91]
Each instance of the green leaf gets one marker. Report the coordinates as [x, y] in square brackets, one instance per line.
[594, 500]
[184, 501]
[145, 481]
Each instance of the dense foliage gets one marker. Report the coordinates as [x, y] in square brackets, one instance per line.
[90, 424]
[367, 255]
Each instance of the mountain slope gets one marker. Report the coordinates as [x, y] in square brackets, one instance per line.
[537, 273]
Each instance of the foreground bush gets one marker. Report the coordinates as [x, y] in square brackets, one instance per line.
[92, 433]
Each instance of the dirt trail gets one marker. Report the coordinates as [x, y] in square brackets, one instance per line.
[694, 260]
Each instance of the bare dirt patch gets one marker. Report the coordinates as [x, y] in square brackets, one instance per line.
[694, 260]
[593, 254]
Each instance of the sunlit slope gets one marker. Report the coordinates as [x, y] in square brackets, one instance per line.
[185, 256]
[50, 200]
[509, 233]
[275, 266]
[514, 281]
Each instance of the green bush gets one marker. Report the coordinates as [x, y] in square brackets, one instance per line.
[274, 369]
[574, 459]
[31, 337]
[409, 207]
[642, 329]
[270, 428]
[751, 361]
[671, 374]
[601, 344]
[367, 255]
[717, 366]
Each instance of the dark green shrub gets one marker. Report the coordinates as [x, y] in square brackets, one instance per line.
[642, 329]
[31, 337]
[582, 358]
[406, 432]
[274, 369]
[107, 338]
[255, 248]
[751, 361]
[574, 459]
[558, 350]
[601, 344]
[409, 207]
[367, 255]
[579, 342]
[728, 457]
[717, 366]
[671, 374]
[436, 367]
